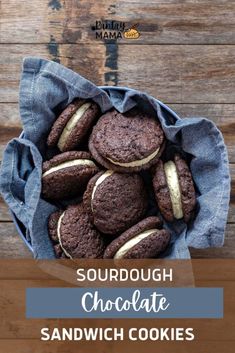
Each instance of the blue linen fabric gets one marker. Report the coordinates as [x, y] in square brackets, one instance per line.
[46, 88]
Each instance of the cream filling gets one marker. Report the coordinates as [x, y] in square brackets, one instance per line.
[136, 163]
[98, 182]
[132, 242]
[69, 164]
[71, 124]
[59, 236]
[174, 188]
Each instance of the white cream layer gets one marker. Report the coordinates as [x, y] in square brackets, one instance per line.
[59, 236]
[136, 163]
[98, 182]
[174, 188]
[132, 242]
[68, 164]
[71, 124]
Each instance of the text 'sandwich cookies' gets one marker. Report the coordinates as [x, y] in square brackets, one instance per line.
[127, 142]
[78, 238]
[67, 174]
[174, 189]
[146, 239]
[115, 201]
[73, 124]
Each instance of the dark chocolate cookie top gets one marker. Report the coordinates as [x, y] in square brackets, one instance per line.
[66, 157]
[115, 201]
[128, 141]
[67, 174]
[78, 237]
[145, 239]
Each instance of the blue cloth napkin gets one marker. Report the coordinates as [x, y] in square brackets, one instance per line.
[46, 88]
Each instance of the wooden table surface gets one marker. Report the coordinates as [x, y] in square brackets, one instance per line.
[184, 57]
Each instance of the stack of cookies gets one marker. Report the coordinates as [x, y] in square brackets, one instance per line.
[100, 160]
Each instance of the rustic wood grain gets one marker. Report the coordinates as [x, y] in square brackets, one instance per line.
[179, 74]
[10, 115]
[6, 134]
[11, 245]
[231, 213]
[4, 212]
[174, 73]
[10, 126]
[167, 22]
[33, 346]
[85, 56]
[28, 269]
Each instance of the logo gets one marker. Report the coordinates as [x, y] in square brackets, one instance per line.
[132, 33]
[114, 30]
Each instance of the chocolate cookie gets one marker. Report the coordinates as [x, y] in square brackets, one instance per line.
[52, 226]
[77, 237]
[174, 189]
[66, 175]
[126, 142]
[115, 201]
[144, 240]
[59, 252]
[73, 124]
[52, 231]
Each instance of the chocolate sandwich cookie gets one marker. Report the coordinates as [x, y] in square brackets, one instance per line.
[66, 175]
[115, 201]
[59, 254]
[126, 142]
[174, 189]
[144, 240]
[52, 226]
[52, 230]
[77, 237]
[73, 124]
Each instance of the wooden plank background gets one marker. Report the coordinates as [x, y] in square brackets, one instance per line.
[184, 57]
